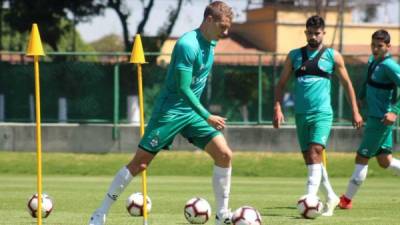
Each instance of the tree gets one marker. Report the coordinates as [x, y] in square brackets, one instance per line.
[109, 43]
[166, 30]
[49, 15]
[119, 6]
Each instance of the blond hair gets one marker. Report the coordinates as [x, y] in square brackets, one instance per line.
[217, 10]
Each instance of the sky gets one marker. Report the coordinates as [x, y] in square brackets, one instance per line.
[189, 18]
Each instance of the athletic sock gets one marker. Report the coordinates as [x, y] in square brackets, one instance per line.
[221, 185]
[314, 178]
[395, 166]
[358, 177]
[121, 180]
[326, 186]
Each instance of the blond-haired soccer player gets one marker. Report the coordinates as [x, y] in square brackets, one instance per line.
[178, 111]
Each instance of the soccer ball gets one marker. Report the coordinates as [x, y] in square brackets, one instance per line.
[197, 211]
[246, 215]
[309, 206]
[134, 204]
[47, 205]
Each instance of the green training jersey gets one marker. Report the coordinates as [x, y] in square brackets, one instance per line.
[192, 54]
[379, 100]
[313, 93]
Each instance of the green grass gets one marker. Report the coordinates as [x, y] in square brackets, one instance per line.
[270, 182]
[179, 164]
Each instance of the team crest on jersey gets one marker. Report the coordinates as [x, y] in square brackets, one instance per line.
[155, 140]
[364, 151]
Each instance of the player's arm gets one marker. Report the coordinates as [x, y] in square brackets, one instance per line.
[184, 79]
[285, 76]
[185, 57]
[393, 71]
[348, 87]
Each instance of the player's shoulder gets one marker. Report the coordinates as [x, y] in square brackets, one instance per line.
[391, 64]
[189, 39]
[330, 53]
[295, 53]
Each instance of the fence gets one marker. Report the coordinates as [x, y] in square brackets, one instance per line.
[102, 87]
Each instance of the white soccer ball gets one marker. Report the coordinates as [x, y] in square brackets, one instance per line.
[134, 204]
[246, 215]
[309, 206]
[47, 205]
[197, 211]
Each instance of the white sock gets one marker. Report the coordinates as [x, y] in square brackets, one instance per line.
[395, 166]
[326, 186]
[314, 178]
[358, 177]
[222, 186]
[121, 180]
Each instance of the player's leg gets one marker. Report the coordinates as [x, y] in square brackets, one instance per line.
[385, 157]
[332, 200]
[121, 180]
[392, 163]
[319, 134]
[213, 142]
[377, 137]
[313, 159]
[357, 178]
[387, 161]
[313, 131]
[218, 149]
[158, 135]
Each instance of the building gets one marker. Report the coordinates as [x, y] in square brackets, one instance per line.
[278, 28]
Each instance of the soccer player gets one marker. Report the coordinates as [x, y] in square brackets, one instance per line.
[178, 111]
[382, 80]
[313, 66]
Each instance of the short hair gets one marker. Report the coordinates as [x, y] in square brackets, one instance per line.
[381, 35]
[217, 10]
[315, 22]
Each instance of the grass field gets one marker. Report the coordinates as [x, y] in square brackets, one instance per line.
[77, 182]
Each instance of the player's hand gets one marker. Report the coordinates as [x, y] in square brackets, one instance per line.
[217, 122]
[357, 121]
[389, 118]
[278, 118]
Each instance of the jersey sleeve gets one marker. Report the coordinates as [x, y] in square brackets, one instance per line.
[185, 56]
[183, 80]
[393, 73]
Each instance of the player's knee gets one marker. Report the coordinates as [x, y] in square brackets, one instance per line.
[313, 156]
[142, 167]
[135, 169]
[226, 156]
[384, 163]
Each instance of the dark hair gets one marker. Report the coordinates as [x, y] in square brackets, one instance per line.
[382, 35]
[315, 22]
[217, 10]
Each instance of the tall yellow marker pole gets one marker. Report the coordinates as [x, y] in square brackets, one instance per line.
[35, 49]
[324, 162]
[137, 57]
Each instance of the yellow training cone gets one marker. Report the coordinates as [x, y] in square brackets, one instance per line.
[35, 44]
[137, 55]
